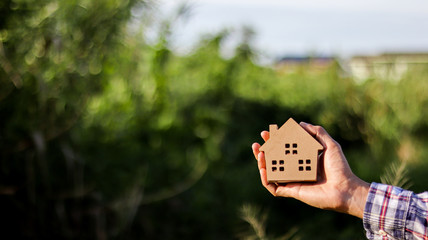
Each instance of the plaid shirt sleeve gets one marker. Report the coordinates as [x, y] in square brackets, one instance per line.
[395, 213]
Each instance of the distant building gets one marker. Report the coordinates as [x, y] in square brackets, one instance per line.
[389, 66]
[291, 64]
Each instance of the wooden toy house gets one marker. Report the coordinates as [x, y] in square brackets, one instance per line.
[291, 153]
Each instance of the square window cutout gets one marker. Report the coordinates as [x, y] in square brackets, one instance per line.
[273, 162]
[308, 161]
[281, 162]
[274, 169]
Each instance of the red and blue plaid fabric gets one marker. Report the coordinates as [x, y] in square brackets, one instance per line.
[394, 213]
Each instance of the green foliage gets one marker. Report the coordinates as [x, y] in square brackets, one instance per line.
[257, 221]
[250, 214]
[397, 175]
[107, 134]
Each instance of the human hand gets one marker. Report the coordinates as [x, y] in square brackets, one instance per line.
[337, 187]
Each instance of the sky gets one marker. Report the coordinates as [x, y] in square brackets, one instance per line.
[299, 27]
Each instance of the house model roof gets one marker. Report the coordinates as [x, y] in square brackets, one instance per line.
[291, 153]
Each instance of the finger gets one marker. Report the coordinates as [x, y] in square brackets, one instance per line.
[261, 160]
[290, 190]
[256, 151]
[263, 175]
[265, 135]
[269, 186]
[272, 188]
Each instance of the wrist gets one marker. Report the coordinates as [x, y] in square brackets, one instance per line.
[354, 197]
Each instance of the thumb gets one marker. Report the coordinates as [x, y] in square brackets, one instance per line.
[319, 133]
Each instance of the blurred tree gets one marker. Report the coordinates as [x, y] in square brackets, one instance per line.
[54, 55]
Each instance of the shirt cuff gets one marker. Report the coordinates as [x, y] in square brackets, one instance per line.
[385, 212]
